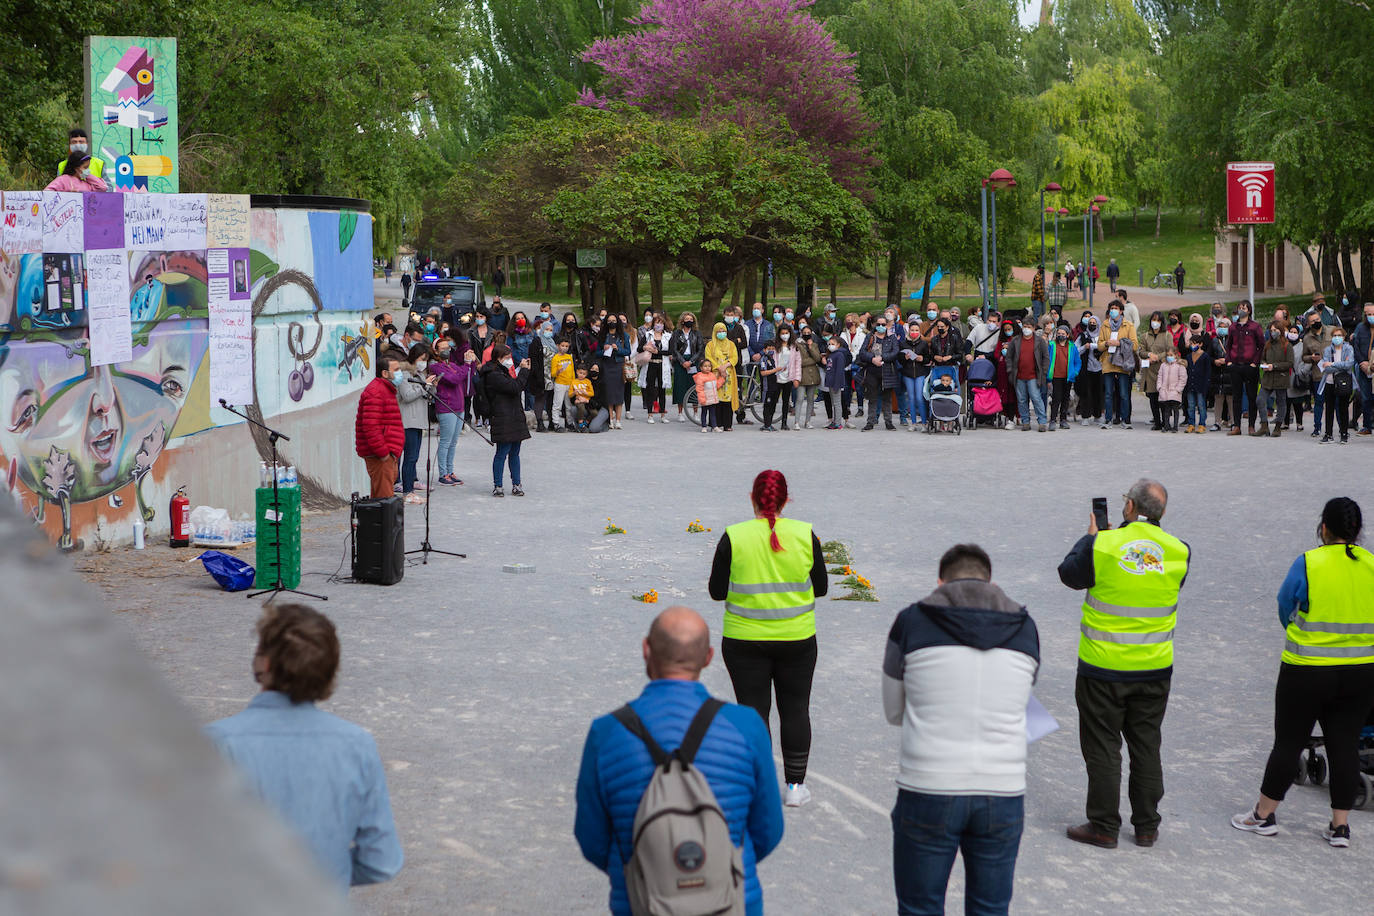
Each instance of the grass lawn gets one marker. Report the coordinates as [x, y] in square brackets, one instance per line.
[1136, 249]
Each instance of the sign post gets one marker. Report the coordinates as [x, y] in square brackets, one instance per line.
[1250, 200]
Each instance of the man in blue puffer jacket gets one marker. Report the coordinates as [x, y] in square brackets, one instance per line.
[736, 757]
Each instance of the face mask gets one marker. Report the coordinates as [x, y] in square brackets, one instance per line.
[880, 329]
[481, 321]
[1006, 332]
[1293, 336]
[1195, 324]
[1235, 317]
[720, 335]
[79, 147]
[758, 313]
[1027, 332]
[1115, 313]
[785, 336]
[1154, 325]
[1061, 338]
[1084, 322]
[1337, 341]
[834, 347]
[688, 323]
[1369, 319]
[930, 314]
[1195, 347]
[420, 365]
[648, 318]
[789, 316]
[1216, 313]
[1223, 332]
[658, 327]
[546, 333]
[1168, 359]
[1345, 300]
[1173, 320]
[443, 354]
[777, 317]
[508, 362]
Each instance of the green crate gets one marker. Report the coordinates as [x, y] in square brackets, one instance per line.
[266, 575]
[289, 499]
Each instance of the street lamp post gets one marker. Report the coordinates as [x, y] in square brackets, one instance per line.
[999, 180]
[984, 196]
[1053, 188]
[1092, 216]
[1062, 211]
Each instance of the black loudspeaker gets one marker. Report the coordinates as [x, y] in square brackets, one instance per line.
[379, 543]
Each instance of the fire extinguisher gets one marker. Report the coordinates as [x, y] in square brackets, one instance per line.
[180, 514]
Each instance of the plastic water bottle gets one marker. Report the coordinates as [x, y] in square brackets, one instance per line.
[291, 476]
[138, 533]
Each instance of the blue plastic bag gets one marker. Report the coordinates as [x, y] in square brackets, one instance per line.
[232, 574]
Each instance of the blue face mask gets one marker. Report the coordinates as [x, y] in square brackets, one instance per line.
[730, 319]
[1168, 359]
[930, 314]
[1222, 332]
[1369, 318]
[1337, 341]
[758, 313]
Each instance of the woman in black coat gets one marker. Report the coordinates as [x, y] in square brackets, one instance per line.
[505, 394]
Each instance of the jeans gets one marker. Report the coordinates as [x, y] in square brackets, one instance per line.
[1195, 407]
[506, 451]
[1028, 389]
[414, 438]
[1366, 384]
[916, 398]
[927, 832]
[449, 425]
[806, 403]
[1116, 397]
[1037, 309]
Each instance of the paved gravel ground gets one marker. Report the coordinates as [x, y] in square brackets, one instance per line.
[479, 685]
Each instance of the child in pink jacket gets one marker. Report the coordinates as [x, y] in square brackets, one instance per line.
[77, 177]
[1173, 378]
[708, 383]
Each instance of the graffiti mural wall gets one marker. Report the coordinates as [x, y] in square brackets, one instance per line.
[131, 101]
[83, 447]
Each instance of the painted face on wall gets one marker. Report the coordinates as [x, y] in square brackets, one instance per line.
[92, 430]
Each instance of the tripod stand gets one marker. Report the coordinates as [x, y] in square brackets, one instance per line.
[425, 549]
[272, 436]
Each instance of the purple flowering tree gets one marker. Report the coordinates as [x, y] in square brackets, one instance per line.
[766, 65]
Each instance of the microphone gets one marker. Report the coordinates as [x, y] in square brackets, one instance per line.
[224, 405]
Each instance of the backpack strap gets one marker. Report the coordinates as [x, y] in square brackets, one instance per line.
[691, 741]
[635, 726]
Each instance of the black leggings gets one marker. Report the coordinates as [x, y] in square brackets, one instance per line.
[758, 668]
[1337, 408]
[1337, 696]
[1244, 385]
[777, 391]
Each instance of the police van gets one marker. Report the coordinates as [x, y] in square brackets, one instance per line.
[429, 291]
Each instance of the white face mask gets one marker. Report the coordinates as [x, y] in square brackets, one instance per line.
[420, 366]
[508, 362]
[1154, 325]
[79, 147]
[1026, 332]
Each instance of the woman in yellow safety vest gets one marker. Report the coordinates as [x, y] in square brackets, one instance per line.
[769, 572]
[1327, 674]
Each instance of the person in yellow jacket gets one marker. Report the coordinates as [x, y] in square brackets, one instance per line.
[724, 355]
[769, 572]
[1326, 603]
[1133, 575]
[78, 143]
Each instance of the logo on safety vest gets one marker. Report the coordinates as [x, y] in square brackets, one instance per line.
[1141, 557]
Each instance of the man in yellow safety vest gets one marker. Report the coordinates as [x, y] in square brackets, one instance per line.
[1125, 659]
[78, 143]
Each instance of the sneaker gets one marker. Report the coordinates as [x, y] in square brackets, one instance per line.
[414, 499]
[1106, 426]
[809, 426]
[797, 794]
[1325, 439]
[682, 418]
[1041, 428]
[1344, 438]
[1364, 432]
[517, 490]
[721, 429]
[1063, 424]
[1215, 427]
[706, 429]
[833, 426]
[1316, 433]
[848, 425]
[651, 418]
[1127, 425]
[1199, 429]
[889, 427]
[1338, 837]
[1251, 822]
[497, 491]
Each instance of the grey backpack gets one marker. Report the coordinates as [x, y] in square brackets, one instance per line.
[681, 861]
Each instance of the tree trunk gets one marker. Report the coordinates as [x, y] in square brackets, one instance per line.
[537, 268]
[896, 276]
[570, 283]
[925, 288]
[751, 288]
[806, 291]
[1347, 269]
[1135, 218]
[712, 292]
[1113, 224]
[736, 290]
[1159, 218]
[515, 270]
[1312, 266]
[656, 285]
[549, 264]
[763, 292]
[1367, 269]
[875, 276]
[834, 289]
[1097, 219]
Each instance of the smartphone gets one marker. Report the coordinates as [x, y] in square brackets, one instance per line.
[1100, 512]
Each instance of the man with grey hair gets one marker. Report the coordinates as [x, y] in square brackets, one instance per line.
[1132, 575]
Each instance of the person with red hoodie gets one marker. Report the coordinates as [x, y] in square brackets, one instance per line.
[379, 435]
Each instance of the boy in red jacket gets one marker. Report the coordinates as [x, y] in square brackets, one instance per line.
[380, 436]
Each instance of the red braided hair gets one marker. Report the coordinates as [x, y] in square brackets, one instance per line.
[770, 495]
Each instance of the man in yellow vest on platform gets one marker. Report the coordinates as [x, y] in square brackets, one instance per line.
[78, 143]
[1125, 659]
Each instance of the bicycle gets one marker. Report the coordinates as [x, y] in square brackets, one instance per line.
[1162, 278]
[751, 391]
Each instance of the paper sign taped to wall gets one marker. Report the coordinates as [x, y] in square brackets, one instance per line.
[23, 223]
[64, 222]
[165, 222]
[231, 345]
[107, 293]
[228, 221]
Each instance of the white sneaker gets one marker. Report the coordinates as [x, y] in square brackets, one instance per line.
[797, 794]
[682, 418]
[629, 416]
[651, 418]
[808, 425]
[706, 429]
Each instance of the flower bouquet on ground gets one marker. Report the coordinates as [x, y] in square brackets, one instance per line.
[836, 553]
[649, 597]
[612, 527]
[860, 588]
[696, 527]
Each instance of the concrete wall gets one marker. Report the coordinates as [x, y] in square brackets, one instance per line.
[86, 448]
[1283, 270]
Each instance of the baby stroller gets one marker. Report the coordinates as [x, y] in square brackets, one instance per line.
[1312, 763]
[944, 399]
[985, 401]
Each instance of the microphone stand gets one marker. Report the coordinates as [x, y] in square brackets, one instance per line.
[272, 436]
[425, 549]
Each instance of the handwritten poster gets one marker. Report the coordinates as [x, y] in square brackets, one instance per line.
[186, 222]
[227, 221]
[64, 219]
[104, 221]
[165, 222]
[107, 292]
[231, 349]
[23, 223]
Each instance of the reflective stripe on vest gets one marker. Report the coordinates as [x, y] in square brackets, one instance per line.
[1337, 626]
[1130, 612]
[770, 595]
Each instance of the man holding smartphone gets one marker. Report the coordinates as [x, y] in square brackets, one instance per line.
[1132, 575]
